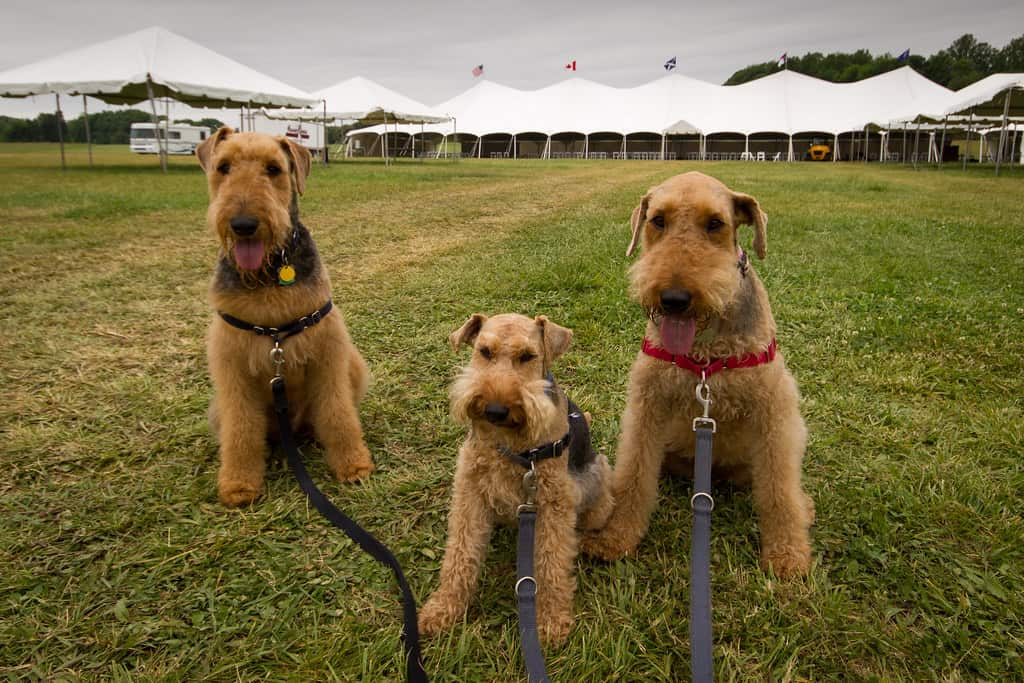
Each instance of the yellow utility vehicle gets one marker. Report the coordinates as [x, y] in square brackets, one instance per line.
[818, 151]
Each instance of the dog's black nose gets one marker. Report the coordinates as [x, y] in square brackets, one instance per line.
[495, 412]
[244, 226]
[675, 300]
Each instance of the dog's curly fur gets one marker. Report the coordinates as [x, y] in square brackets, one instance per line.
[508, 370]
[254, 181]
[688, 227]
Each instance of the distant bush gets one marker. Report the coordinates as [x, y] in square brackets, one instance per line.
[105, 127]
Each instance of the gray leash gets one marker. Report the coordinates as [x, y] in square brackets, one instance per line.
[526, 585]
[701, 666]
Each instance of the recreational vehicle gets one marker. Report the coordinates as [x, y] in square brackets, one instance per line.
[181, 138]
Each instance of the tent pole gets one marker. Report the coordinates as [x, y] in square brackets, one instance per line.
[327, 158]
[663, 147]
[156, 126]
[444, 137]
[1002, 131]
[835, 147]
[746, 146]
[455, 138]
[789, 156]
[60, 133]
[479, 146]
[85, 118]
[867, 139]
[942, 143]
[515, 147]
[903, 150]
[917, 140]
[625, 150]
[384, 146]
[967, 144]
[586, 146]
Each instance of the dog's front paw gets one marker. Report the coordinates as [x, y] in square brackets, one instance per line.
[437, 615]
[235, 494]
[787, 561]
[355, 466]
[553, 630]
[605, 545]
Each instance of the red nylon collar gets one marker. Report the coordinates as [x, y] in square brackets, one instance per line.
[717, 365]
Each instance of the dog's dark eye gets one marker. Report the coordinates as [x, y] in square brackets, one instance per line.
[273, 170]
[659, 222]
[714, 224]
[526, 357]
[224, 168]
[485, 352]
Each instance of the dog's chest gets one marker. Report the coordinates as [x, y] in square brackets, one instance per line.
[501, 488]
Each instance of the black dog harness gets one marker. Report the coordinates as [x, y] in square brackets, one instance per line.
[364, 539]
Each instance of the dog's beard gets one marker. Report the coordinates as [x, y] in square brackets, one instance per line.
[538, 410]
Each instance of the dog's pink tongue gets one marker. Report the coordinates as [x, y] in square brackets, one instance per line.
[677, 334]
[249, 254]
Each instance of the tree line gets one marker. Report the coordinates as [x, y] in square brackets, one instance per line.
[105, 127]
[965, 61]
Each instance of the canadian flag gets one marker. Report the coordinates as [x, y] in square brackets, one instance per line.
[571, 66]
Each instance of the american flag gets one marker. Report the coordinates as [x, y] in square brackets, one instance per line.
[782, 60]
[478, 70]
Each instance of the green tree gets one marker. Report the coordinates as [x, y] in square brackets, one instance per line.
[965, 61]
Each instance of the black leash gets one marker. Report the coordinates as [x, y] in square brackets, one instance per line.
[701, 665]
[414, 672]
[364, 539]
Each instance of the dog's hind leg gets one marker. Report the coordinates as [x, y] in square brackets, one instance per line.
[634, 483]
[784, 511]
[335, 419]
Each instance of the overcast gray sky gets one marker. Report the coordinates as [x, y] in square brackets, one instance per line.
[426, 50]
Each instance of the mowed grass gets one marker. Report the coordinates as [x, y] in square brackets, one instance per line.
[899, 302]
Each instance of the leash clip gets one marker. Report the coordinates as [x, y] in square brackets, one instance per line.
[703, 393]
[529, 491]
[277, 358]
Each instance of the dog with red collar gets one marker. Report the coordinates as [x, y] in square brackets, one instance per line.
[709, 323]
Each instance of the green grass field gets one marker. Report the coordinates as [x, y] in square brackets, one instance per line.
[899, 301]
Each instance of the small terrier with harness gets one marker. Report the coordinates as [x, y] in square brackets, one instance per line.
[520, 422]
[274, 318]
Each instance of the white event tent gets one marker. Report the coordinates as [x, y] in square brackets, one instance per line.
[361, 102]
[777, 117]
[148, 64]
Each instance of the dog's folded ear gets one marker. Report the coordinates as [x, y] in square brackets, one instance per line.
[467, 333]
[748, 212]
[205, 150]
[636, 222]
[300, 161]
[556, 338]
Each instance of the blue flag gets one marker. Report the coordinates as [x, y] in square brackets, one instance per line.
[904, 56]
[670, 64]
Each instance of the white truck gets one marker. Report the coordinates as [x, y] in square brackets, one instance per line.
[181, 138]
